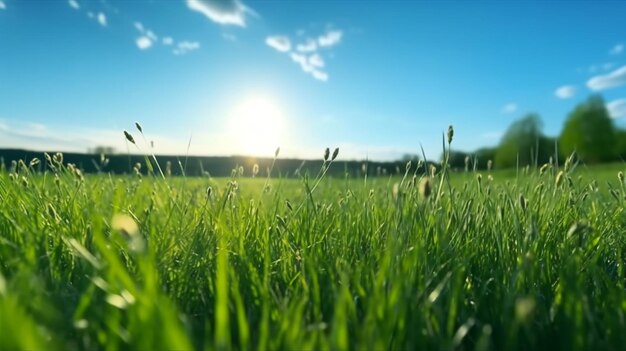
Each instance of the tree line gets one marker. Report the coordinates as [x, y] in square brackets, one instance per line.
[588, 131]
[208, 166]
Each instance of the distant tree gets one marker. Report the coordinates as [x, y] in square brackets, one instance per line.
[457, 160]
[589, 131]
[107, 150]
[524, 143]
[621, 143]
[409, 157]
[484, 155]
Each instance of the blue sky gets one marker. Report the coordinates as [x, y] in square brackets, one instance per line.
[377, 79]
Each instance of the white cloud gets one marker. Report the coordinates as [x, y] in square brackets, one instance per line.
[617, 49]
[319, 75]
[309, 46]
[509, 108]
[600, 67]
[307, 67]
[3, 6]
[331, 38]
[316, 60]
[279, 42]
[102, 19]
[145, 31]
[617, 108]
[611, 80]
[147, 38]
[303, 61]
[139, 26]
[73, 4]
[228, 12]
[143, 42]
[184, 47]
[565, 91]
[151, 35]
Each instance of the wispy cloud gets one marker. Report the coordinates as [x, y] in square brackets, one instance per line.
[617, 49]
[102, 19]
[279, 42]
[143, 42]
[308, 46]
[617, 108]
[509, 108]
[331, 38]
[316, 60]
[565, 91]
[226, 12]
[306, 53]
[600, 67]
[611, 80]
[3, 6]
[147, 37]
[185, 47]
[319, 75]
[307, 66]
[73, 4]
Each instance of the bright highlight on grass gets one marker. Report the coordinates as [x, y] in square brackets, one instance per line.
[257, 125]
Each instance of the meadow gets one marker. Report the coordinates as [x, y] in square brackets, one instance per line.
[495, 260]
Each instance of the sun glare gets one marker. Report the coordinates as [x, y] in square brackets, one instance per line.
[256, 126]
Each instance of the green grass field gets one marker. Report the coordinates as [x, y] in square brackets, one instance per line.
[514, 260]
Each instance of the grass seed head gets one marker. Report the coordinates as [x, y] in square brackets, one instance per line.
[395, 192]
[58, 158]
[425, 187]
[543, 168]
[620, 176]
[129, 137]
[125, 224]
[524, 308]
[489, 165]
[450, 133]
[255, 170]
[326, 154]
[335, 154]
[559, 179]
[168, 168]
[139, 127]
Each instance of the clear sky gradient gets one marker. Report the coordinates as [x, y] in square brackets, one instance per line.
[376, 78]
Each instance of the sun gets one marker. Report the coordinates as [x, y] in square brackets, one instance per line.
[256, 126]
